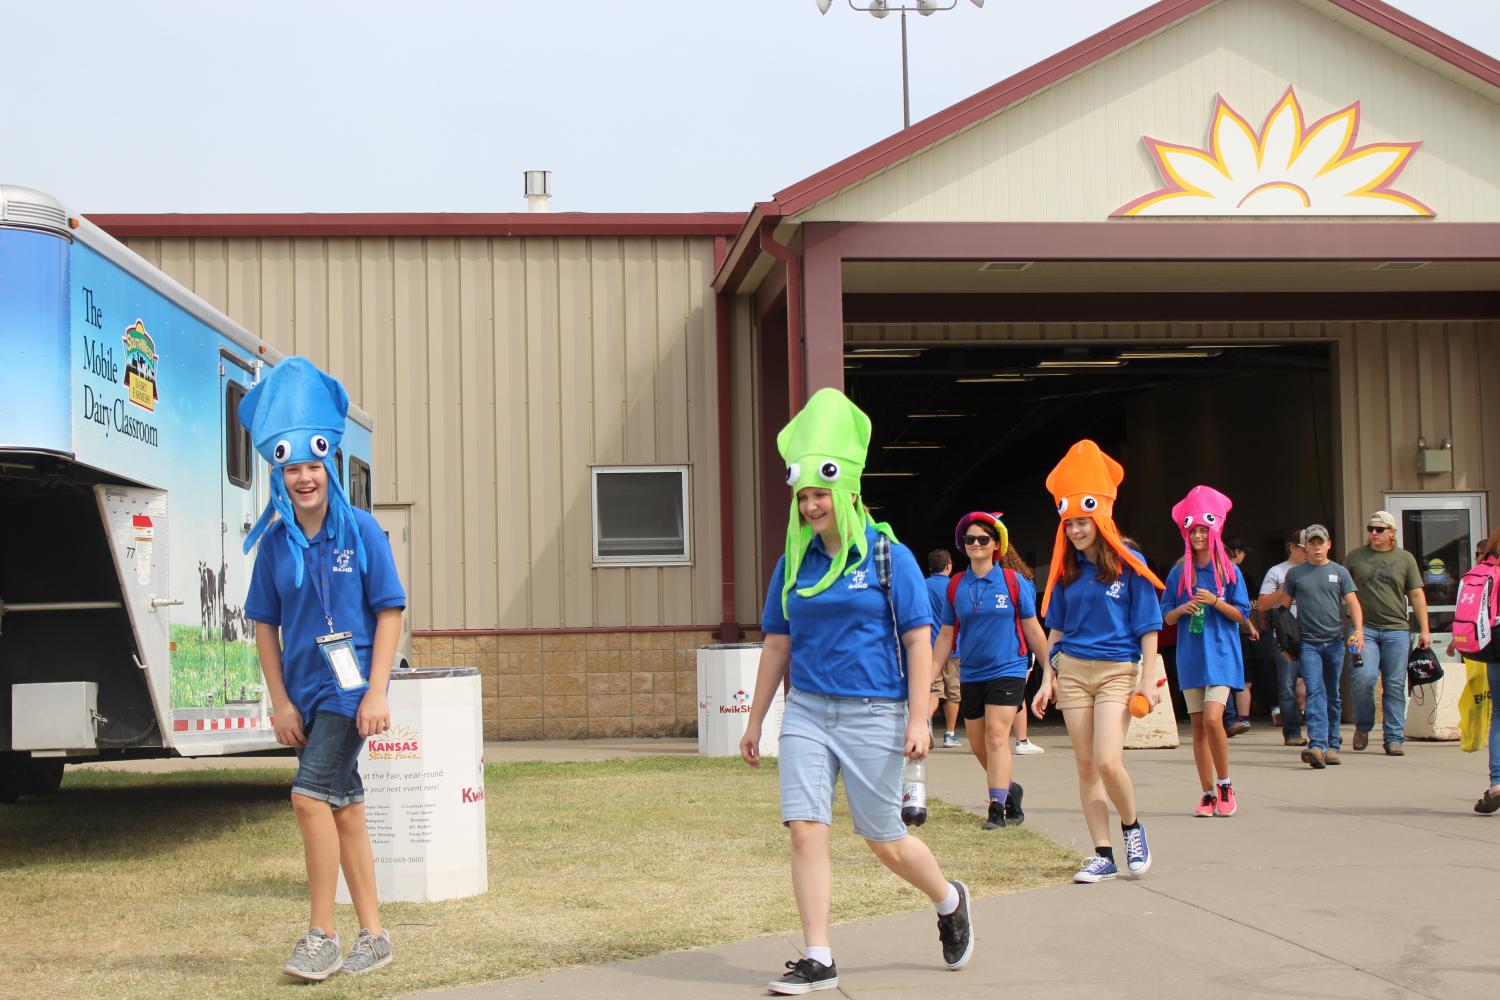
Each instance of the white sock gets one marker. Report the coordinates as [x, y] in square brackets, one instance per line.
[820, 953]
[950, 901]
[1223, 782]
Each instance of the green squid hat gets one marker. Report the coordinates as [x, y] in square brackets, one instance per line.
[824, 446]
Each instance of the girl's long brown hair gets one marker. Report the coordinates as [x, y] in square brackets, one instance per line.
[1012, 561]
[1108, 566]
[1491, 545]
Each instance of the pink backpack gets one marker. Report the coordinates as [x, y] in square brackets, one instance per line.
[1475, 618]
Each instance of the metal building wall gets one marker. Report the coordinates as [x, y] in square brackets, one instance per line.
[498, 370]
[1074, 152]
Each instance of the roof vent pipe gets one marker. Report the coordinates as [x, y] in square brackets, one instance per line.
[538, 190]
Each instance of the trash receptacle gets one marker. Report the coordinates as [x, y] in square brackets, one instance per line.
[726, 685]
[424, 789]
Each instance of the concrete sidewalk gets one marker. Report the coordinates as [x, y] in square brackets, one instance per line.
[1373, 879]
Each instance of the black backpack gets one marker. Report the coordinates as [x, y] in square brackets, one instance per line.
[1285, 628]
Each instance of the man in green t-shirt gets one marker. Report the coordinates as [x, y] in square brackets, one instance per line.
[1387, 578]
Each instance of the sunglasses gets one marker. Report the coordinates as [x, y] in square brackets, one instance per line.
[1376, 529]
[977, 540]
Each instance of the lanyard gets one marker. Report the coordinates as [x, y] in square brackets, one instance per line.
[976, 592]
[325, 592]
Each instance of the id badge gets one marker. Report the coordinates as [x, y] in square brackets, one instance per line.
[338, 653]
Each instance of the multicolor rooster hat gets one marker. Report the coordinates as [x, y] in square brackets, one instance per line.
[1206, 506]
[1085, 484]
[296, 414]
[988, 519]
[824, 446]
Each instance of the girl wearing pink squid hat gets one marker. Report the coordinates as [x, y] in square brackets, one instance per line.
[1206, 598]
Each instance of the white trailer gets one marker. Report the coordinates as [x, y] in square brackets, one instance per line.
[127, 487]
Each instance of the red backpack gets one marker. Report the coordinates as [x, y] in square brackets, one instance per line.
[1474, 618]
[1011, 584]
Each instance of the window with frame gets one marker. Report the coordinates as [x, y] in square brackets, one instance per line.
[239, 452]
[641, 516]
[359, 483]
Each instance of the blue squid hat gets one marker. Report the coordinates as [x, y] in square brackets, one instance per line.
[296, 414]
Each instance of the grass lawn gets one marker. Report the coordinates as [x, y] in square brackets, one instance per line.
[191, 884]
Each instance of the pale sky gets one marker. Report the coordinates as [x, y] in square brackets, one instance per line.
[635, 105]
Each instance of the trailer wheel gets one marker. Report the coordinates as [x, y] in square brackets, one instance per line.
[41, 777]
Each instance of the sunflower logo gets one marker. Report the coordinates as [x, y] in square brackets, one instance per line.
[1285, 168]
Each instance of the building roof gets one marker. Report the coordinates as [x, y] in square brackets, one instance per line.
[1379, 19]
[378, 224]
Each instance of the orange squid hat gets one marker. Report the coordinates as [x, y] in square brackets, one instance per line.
[1085, 484]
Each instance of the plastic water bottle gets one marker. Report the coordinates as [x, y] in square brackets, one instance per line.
[1195, 623]
[914, 794]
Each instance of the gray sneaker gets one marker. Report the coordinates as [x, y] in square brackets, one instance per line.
[369, 952]
[315, 958]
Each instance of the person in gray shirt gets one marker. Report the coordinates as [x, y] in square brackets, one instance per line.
[1323, 590]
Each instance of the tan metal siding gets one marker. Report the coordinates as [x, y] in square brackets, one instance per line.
[497, 372]
[1074, 151]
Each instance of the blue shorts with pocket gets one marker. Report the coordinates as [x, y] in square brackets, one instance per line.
[328, 767]
[862, 738]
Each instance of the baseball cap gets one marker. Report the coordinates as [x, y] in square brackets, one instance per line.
[1315, 531]
[1384, 517]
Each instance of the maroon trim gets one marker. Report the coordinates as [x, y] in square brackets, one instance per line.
[1151, 239]
[729, 629]
[823, 292]
[796, 386]
[426, 633]
[1168, 307]
[122, 226]
[731, 273]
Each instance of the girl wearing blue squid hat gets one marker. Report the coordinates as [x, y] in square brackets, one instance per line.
[327, 605]
[845, 603]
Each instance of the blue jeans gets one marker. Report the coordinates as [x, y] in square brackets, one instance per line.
[1385, 656]
[1494, 673]
[1286, 695]
[1322, 666]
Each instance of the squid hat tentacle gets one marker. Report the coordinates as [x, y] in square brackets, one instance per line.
[824, 446]
[296, 414]
[991, 518]
[1085, 484]
[1206, 506]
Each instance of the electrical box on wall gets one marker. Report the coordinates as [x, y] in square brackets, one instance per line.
[1431, 460]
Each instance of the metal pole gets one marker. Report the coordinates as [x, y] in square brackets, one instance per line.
[905, 89]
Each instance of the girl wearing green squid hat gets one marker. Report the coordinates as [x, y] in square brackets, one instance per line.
[854, 639]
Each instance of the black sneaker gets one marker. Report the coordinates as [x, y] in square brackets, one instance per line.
[996, 818]
[955, 931]
[805, 976]
[1013, 811]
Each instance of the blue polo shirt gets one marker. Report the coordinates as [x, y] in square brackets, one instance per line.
[937, 596]
[1104, 621]
[844, 644]
[355, 597]
[1213, 657]
[986, 617]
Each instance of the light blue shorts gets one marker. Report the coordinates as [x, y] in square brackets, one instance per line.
[864, 738]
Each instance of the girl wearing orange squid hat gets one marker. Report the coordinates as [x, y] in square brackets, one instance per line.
[1102, 618]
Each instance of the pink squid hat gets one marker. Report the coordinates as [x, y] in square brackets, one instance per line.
[1206, 506]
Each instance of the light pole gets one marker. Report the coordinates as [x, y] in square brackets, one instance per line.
[879, 9]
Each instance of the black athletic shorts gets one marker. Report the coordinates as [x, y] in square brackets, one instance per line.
[974, 695]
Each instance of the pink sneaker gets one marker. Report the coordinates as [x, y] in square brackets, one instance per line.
[1227, 802]
[1205, 807]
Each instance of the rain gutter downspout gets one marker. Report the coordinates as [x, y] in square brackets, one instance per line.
[794, 359]
[729, 629]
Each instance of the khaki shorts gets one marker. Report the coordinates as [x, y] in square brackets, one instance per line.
[945, 684]
[1086, 683]
[1195, 697]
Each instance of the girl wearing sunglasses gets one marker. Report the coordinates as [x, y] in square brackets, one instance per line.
[995, 608]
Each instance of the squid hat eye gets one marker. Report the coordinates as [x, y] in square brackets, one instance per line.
[1187, 521]
[829, 472]
[1062, 505]
[282, 451]
[1210, 519]
[1088, 504]
[793, 473]
[319, 445]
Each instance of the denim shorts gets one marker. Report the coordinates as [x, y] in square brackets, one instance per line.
[864, 738]
[328, 767]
